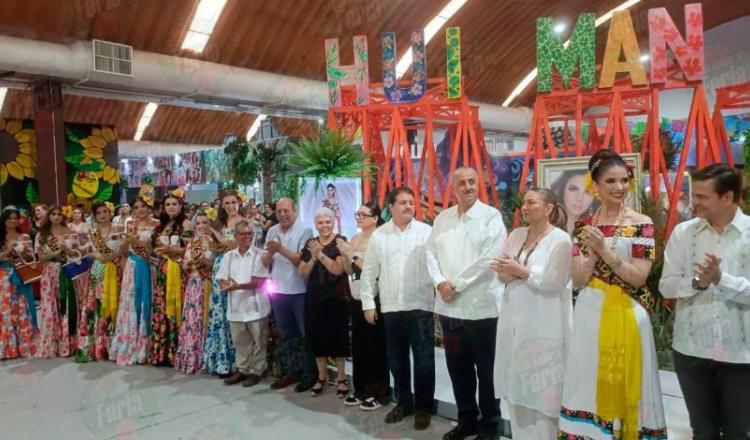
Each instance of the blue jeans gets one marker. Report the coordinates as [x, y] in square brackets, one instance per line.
[289, 314]
[415, 330]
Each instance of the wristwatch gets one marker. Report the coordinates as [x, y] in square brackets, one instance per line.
[696, 285]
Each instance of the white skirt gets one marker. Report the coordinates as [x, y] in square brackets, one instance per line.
[578, 418]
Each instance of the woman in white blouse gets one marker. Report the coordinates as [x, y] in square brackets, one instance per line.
[535, 316]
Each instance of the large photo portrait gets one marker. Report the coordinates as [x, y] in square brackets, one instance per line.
[565, 177]
[343, 196]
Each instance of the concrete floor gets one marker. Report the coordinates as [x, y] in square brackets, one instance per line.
[59, 399]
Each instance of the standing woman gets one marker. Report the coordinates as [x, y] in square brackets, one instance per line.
[130, 344]
[99, 311]
[218, 353]
[58, 296]
[168, 242]
[535, 317]
[326, 319]
[78, 222]
[17, 315]
[611, 387]
[371, 379]
[198, 261]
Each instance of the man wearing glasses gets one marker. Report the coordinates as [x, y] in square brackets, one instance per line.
[241, 276]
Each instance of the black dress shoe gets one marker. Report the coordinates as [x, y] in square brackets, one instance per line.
[284, 382]
[397, 414]
[251, 380]
[485, 436]
[422, 420]
[460, 432]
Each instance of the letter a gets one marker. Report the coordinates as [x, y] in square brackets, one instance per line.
[622, 37]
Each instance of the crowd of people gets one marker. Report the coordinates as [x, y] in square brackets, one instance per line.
[194, 287]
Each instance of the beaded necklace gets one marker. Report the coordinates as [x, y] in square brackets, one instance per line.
[620, 221]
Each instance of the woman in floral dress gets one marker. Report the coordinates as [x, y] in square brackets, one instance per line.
[59, 305]
[166, 314]
[17, 331]
[197, 263]
[130, 345]
[99, 310]
[218, 353]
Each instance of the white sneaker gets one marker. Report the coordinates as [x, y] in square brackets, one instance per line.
[370, 404]
[352, 400]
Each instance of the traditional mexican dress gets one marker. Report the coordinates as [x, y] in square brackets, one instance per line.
[99, 311]
[611, 388]
[59, 306]
[166, 313]
[218, 353]
[130, 344]
[189, 356]
[17, 333]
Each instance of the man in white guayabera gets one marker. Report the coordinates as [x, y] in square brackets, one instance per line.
[707, 269]
[464, 241]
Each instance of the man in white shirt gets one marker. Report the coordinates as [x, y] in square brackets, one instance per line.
[706, 267]
[464, 240]
[284, 243]
[396, 270]
[241, 275]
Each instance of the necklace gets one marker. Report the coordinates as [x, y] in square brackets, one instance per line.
[533, 248]
[620, 221]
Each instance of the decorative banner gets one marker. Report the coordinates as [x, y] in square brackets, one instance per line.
[393, 92]
[663, 33]
[166, 171]
[357, 74]
[621, 37]
[453, 61]
[582, 51]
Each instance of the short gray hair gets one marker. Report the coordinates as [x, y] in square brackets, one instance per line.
[243, 224]
[324, 212]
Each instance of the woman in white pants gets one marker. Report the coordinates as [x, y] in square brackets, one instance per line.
[535, 317]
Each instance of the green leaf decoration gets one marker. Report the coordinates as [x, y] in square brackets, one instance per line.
[32, 193]
[330, 155]
[73, 150]
[105, 192]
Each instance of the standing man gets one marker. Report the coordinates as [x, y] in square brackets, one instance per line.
[284, 244]
[395, 268]
[706, 269]
[465, 238]
[241, 275]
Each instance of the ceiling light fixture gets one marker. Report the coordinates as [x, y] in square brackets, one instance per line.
[255, 127]
[430, 30]
[532, 75]
[206, 15]
[148, 113]
[645, 57]
[559, 28]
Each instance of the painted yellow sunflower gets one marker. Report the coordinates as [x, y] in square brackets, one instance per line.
[18, 154]
[97, 141]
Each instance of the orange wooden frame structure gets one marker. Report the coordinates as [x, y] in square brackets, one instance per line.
[729, 98]
[394, 160]
[625, 100]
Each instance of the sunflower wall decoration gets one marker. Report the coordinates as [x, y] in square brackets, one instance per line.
[18, 153]
[91, 154]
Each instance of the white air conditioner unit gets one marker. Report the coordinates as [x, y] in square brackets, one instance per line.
[113, 58]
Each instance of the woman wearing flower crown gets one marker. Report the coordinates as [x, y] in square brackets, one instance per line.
[611, 387]
[198, 261]
[130, 344]
[219, 355]
[168, 242]
[17, 310]
[99, 307]
[59, 307]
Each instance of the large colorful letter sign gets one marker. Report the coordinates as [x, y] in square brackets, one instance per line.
[621, 37]
[392, 91]
[582, 50]
[357, 73]
[453, 61]
[663, 33]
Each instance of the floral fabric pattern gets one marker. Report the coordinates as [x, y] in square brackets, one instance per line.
[218, 352]
[16, 330]
[189, 356]
[164, 328]
[54, 333]
[392, 91]
[94, 334]
[131, 341]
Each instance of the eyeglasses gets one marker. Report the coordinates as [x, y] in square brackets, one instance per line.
[363, 215]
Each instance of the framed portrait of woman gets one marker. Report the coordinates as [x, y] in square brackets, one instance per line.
[565, 177]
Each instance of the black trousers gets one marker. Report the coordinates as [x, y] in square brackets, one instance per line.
[470, 355]
[717, 395]
[412, 330]
[369, 357]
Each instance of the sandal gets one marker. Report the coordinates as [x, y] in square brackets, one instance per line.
[340, 394]
[315, 392]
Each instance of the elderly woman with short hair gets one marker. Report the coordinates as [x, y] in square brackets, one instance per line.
[326, 319]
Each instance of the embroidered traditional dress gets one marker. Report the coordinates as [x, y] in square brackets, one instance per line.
[218, 353]
[99, 309]
[130, 345]
[189, 356]
[17, 333]
[59, 306]
[612, 366]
